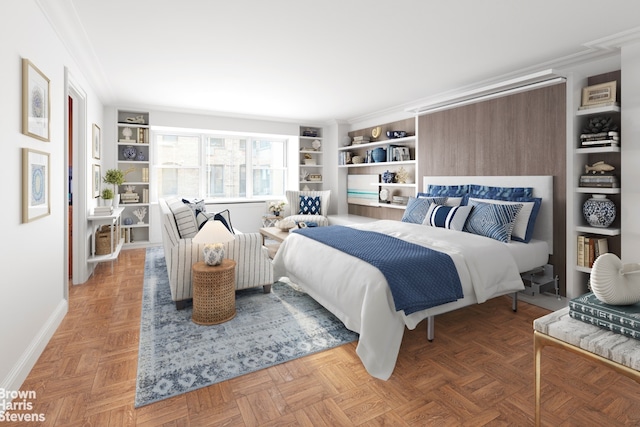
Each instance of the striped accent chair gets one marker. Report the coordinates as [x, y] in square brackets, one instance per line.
[253, 266]
[292, 209]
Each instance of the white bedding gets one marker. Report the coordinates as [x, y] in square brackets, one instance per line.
[358, 294]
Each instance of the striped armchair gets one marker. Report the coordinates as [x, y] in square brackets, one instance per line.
[293, 208]
[253, 266]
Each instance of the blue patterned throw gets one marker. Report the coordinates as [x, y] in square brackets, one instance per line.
[419, 277]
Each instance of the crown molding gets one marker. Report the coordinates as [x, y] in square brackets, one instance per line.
[64, 20]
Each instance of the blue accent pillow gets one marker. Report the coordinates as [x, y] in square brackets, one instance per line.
[223, 216]
[417, 208]
[451, 217]
[310, 205]
[488, 192]
[196, 205]
[525, 221]
[492, 220]
[447, 190]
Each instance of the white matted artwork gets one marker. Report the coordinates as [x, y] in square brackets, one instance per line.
[35, 185]
[362, 189]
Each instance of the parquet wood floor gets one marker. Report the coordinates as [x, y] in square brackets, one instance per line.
[477, 372]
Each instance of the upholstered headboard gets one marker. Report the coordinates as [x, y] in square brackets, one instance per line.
[542, 187]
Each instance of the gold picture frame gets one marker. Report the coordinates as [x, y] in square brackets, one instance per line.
[600, 94]
[36, 102]
[97, 141]
[35, 185]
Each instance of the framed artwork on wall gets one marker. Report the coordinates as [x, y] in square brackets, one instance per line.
[96, 180]
[35, 185]
[97, 141]
[35, 102]
[600, 94]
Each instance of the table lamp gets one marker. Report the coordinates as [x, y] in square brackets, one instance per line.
[213, 235]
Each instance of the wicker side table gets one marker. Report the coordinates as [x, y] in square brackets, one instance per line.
[214, 292]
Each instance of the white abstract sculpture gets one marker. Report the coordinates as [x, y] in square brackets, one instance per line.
[140, 213]
[615, 283]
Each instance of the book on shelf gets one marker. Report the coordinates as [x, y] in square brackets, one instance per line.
[599, 180]
[591, 309]
[589, 248]
[145, 174]
[600, 143]
[600, 136]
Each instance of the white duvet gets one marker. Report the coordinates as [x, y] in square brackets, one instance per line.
[358, 294]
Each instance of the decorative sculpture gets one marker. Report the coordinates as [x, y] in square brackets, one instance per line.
[140, 214]
[613, 282]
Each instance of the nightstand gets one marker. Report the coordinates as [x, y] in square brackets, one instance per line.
[214, 292]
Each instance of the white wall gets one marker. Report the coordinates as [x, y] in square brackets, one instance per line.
[630, 144]
[33, 255]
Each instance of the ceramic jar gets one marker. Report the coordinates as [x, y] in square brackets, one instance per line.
[379, 155]
[599, 211]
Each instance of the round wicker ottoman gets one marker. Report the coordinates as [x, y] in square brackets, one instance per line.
[214, 292]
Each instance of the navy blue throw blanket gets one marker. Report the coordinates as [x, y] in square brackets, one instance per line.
[418, 277]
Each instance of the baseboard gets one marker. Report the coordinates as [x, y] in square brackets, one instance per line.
[27, 361]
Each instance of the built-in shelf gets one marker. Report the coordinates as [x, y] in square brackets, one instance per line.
[598, 110]
[597, 190]
[383, 143]
[360, 165]
[596, 230]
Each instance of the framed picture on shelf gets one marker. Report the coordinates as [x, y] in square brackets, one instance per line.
[35, 185]
[97, 178]
[604, 93]
[97, 141]
[35, 102]
[401, 154]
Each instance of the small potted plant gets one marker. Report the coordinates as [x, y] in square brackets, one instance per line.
[276, 207]
[107, 196]
[115, 177]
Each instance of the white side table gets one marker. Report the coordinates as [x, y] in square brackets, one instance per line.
[112, 220]
[270, 220]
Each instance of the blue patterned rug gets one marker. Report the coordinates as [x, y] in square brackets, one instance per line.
[177, 355]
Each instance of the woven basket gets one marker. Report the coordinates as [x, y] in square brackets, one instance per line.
[104, 243]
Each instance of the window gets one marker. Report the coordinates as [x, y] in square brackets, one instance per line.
[219, 166]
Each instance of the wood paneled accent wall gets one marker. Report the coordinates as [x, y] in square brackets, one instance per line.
[520, 134]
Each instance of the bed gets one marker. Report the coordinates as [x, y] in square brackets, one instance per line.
[359, 295]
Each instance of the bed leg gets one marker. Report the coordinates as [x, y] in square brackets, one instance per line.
[515, 302]
[430, 328]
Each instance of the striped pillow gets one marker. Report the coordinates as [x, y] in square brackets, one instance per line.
[417, 208]
[185, 218]
[450, 217]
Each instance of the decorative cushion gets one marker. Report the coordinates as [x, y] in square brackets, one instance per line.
[310, 205]
[451, 217]
[447, 190]
[525, 219]
[196, 205]
[293, 201]
[417, 208]
[450, 200]
[222, 216]
[185, 218]
[492, 220]
[488, 192]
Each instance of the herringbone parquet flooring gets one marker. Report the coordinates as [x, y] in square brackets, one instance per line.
[477, 372]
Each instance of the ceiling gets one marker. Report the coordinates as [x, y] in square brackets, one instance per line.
[318, 61]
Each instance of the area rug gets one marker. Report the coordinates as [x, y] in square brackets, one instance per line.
[177, 355]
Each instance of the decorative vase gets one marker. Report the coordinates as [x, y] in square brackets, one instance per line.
[388, 177]
[213, 253]
[599, 211]
[116, 200]
[379, 155]
[129, 152]
[140, 156]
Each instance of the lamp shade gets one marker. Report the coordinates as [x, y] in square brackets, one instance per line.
[213, 232]
[213, 235]
[615, 283]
